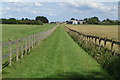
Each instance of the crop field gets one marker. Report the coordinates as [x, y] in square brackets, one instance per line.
[58, 56]
[104, 31]
[107, 31]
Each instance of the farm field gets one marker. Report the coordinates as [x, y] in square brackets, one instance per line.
[107, 31]
[58, 56]
[14, 32]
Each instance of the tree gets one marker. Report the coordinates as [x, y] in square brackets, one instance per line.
[110, 22]
[26, 19]
[4, 21]
[11, 21]
[93, 20]
[72, 19]
[42, 18]
[38, 22]
[22, 19]
[86, 19]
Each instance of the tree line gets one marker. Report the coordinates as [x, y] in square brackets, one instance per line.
[39, 20]
[95, 20]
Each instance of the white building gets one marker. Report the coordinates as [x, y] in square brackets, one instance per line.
[75, 22]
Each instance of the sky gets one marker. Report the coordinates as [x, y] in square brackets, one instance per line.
[59, 11]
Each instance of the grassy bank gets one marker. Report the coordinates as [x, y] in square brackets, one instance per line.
[108, 60]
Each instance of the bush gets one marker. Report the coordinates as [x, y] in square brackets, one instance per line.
[38, 22]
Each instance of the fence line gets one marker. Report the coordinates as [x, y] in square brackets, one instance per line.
[94, 39]
[24, 45]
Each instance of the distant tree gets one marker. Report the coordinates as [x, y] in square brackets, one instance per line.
[72, 19]
[38, 22]
[11, 21]
[26, 19]
[93, 20]
[4, 21]
[86, 19]
[42, 18]
[19, 22]
[110, 22]
[22, 19]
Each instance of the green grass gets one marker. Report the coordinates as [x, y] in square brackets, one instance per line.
[13, 32]
[16, 31]
[58, 56]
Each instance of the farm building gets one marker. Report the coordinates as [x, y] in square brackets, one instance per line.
[75, 22]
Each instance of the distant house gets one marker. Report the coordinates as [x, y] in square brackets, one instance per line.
[81, 22]
[75, 22]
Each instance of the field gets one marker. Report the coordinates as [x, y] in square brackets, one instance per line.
[104, 31]
[57, 56]
[14, 32]
[107, 31]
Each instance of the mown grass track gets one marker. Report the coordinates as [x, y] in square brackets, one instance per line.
[58, 56]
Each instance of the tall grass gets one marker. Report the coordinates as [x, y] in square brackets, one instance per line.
[109, 60]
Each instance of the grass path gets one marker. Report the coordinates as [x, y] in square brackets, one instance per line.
[57, 56]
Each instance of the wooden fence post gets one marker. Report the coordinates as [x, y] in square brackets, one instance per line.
[10, 53]
[26, 45]
[22, 51]
[32, 41]
[99, 41]
[29, 43]
[35, 39]
[92, 40]
[99, 44]
[89, 39]
[105, 43]
[85, 39]
[17, 50]
[95, 40]
[112, 43]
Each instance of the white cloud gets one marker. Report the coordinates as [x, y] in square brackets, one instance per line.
[7, 8]
[17, 0]
[38, 4]
[76, 11]
[33, 12]
[61, 4]
[52, 14]
[59, 0]
[96, 5]
[17, 9]
[24, 4]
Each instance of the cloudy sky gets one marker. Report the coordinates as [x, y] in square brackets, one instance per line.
[59, 11]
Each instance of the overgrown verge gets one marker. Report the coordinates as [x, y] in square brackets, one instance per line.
[108, 60]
